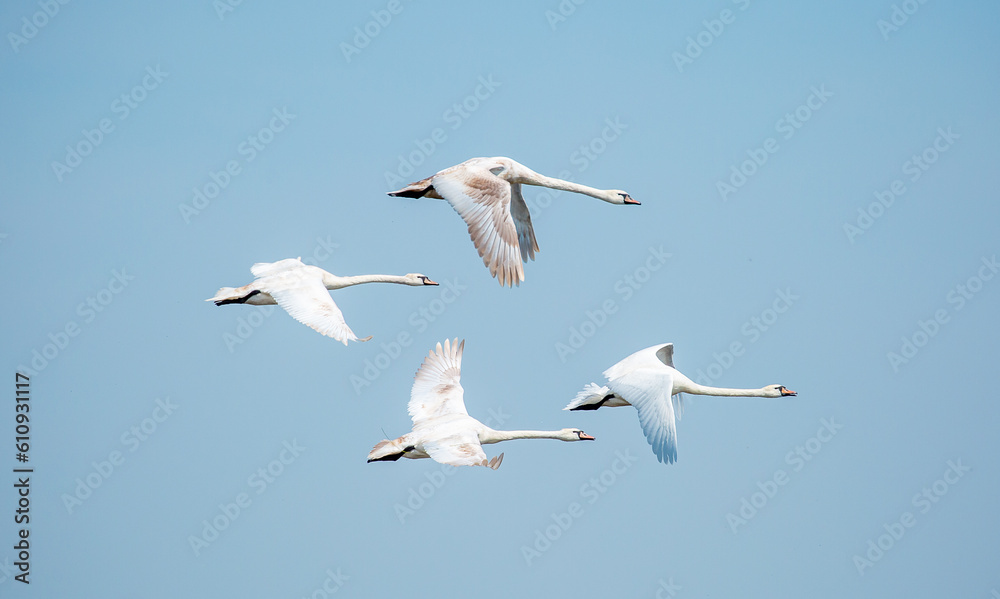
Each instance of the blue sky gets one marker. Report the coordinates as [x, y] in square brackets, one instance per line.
[818, 211]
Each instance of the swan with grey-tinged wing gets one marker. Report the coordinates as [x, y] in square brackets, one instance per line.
[442, 428]
[648, 381]
[486, 193]
[301, 290]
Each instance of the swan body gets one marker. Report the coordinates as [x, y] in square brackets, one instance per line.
[442, 428]
[301, 290]
[486, 193]
[648, 381]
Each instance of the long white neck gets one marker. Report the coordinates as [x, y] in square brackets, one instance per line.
[335, 282]
[696, 389]
[533, 178]
[492, 436]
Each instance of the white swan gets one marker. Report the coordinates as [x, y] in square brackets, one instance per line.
[648, 380]
[442, 428]
[301, 290]
[486, 193]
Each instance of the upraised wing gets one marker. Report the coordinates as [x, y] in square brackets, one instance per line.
[436, 388]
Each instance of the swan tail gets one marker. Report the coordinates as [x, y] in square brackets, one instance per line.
[388, 451]
[232, 295]
[417, 189]
[592, 397]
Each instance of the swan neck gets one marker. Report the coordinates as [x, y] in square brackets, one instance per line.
[696, 389]
[553, 183]
[497, 436]
[334, 282]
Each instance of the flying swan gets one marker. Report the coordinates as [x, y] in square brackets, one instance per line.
[301, 290]
[486, 193]
[442, 429]
[648, 381]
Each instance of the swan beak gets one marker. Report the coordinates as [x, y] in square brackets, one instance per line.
[787, 392]
[585, 437]
[629, 200]
[428, 281]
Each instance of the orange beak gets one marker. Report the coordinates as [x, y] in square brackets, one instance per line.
[631, 201]
[585, 437]
[787, 392]
[429, 282]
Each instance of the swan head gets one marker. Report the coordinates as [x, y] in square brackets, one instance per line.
[618, 196]
[416, 279]
[574, 434]
[778, 391]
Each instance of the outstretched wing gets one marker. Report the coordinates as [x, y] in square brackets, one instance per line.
[522, 221]
[483, 201]
[307, 300]
[436, 388]
[650, 391]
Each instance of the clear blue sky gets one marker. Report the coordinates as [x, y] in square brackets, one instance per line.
[152, 154]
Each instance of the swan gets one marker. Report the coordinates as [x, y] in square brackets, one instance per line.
[301, 290]
[442, 428]
[486, 193]
[648, 380]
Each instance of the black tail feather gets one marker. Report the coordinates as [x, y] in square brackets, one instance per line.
[239, 300]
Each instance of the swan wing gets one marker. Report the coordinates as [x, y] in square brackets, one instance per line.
[483, 201]
[437, 390]
[457, 449]
[307, 300]
[666, 354]
[263, 269]
[650, 392]
[522, 221]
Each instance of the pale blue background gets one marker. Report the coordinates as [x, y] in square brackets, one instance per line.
[324, 177]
